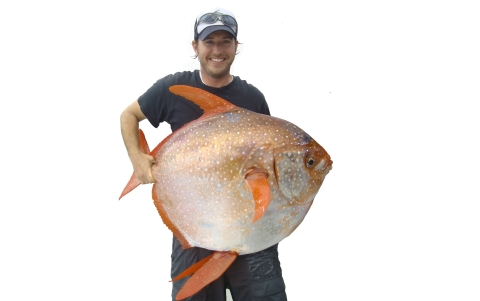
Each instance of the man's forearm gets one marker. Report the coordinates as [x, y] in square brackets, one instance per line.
[129, 125]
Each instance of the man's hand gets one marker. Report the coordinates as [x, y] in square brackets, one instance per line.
[142, 163]
[142, 166]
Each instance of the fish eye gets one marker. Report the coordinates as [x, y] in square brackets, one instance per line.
[310, 161]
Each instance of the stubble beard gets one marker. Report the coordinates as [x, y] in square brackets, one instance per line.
[215, 73]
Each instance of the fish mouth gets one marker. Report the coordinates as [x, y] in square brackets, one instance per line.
[325, 166]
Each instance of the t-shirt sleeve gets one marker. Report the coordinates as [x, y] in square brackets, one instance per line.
[262, 105]
[264, 109]
[153, 102]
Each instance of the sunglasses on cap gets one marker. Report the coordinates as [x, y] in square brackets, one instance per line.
[211, 18]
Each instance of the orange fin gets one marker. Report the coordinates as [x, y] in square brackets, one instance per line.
[209, 103]
[208, 273]
[133, 182]
[131, 185]
[166, 220]
[193, 268]
[256, 179]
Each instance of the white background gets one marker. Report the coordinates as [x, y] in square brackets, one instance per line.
[389, 88]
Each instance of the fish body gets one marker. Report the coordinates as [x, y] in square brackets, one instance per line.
[234, 181]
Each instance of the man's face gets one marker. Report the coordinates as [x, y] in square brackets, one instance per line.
[216, 53]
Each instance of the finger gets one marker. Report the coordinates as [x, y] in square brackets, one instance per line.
[150, 176]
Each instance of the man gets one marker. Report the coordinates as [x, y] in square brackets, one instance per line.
[251, 277]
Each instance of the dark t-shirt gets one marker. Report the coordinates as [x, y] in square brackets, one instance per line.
[158, 104]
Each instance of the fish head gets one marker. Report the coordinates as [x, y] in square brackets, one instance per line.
[300, 168]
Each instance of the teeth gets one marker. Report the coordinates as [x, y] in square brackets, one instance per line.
[217, 60]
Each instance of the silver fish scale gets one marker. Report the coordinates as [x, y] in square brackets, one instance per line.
[200, 175]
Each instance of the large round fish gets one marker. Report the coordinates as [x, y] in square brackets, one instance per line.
[234, 181]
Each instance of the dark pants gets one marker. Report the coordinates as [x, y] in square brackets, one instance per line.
[251, 277]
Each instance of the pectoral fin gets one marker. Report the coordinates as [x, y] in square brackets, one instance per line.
[207, 273]
[256, 179]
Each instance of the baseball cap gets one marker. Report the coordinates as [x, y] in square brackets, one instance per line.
[214, 20]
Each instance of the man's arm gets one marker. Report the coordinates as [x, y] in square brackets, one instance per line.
[129, 120]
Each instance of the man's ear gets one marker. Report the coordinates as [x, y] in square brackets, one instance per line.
[194, 46]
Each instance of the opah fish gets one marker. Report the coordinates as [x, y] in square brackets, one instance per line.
[232, 181]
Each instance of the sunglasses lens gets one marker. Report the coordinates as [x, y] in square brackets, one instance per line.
[227, 20]
[208, 18]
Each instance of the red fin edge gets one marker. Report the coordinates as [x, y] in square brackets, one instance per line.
[166, 220]
[208, 273]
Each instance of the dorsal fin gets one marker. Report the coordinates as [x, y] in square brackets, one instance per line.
[209, 103]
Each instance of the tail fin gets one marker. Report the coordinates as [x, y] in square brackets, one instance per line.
[133, 182]
[215, 265]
